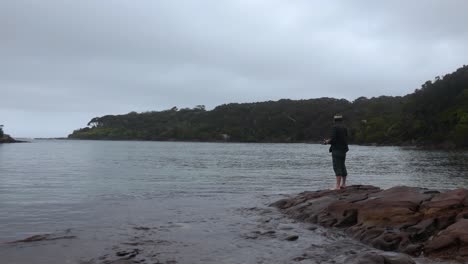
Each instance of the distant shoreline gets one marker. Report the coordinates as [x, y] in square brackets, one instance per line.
[408, 145]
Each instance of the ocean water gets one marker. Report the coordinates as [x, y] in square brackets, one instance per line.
[187, 202]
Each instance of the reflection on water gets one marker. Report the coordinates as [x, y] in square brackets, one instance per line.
[100, 185]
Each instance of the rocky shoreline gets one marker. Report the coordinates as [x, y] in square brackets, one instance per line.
[410, 220]
[9, 139]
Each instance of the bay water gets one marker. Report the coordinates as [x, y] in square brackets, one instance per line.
[196, 202]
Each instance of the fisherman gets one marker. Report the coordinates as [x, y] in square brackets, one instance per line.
[338, 148]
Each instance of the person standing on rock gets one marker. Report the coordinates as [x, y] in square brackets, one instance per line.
[338, 149]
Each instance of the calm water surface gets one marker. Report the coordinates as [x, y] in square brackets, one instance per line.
[199, 191]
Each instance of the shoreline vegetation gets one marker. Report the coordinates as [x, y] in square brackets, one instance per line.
[434, 116]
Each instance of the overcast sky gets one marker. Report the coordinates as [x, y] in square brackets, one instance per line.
[64, 62]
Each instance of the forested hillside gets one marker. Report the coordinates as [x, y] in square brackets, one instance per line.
[437, 113]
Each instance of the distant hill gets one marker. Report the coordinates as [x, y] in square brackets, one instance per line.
[436, 114]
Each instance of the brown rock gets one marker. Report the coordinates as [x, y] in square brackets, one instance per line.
[392, 207]
[341, 213]
[402, 219]
[445, 201]
[462, 215]
[413, 249]
[450, 242]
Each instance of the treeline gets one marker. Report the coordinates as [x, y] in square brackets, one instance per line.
[435, 114]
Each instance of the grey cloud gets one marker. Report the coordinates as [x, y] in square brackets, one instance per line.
[75, 60]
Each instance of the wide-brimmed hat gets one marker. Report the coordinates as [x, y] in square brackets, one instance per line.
[338, 117]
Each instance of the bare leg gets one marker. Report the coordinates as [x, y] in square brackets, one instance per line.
[343, 184]
[338, 182]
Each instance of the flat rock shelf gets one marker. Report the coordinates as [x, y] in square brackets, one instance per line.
[410, 220]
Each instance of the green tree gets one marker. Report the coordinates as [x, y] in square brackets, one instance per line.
[435, 113]
[461, 131]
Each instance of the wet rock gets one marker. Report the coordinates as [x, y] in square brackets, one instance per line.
[381, 258]
[142, 228]
[301, 258]
[130, 253]
[413, 249]
[292, 238]
[120, 261]
[452, 241]
[402, 219]
[269, 232]
[44, 237]
[33, 239]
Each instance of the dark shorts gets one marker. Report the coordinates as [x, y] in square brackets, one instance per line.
[339, 157]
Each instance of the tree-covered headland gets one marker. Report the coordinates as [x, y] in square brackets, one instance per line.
[435, 114]
[5, 138]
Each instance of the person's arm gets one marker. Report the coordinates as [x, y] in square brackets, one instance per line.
[333, 137]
